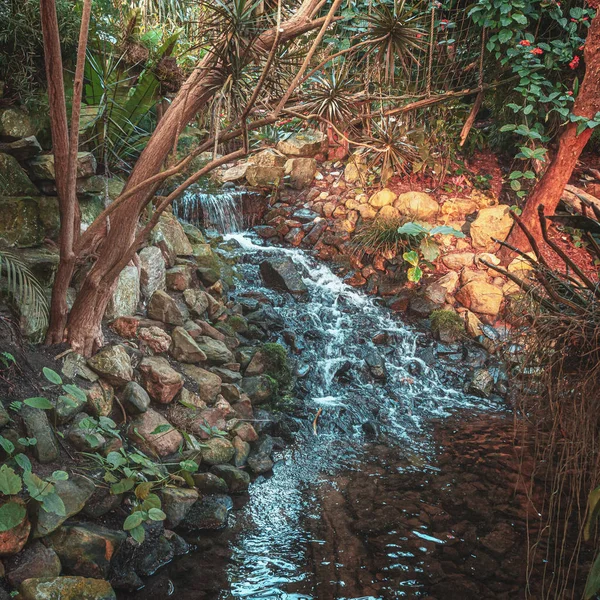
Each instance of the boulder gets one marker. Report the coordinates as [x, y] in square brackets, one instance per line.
[74, 492]
[179, 278]
[449, 282]
[38, 426]
[135, 398]
[152, 271]
[22, 149]
[237, 480]
[166, 441]
[43, 168]
[261, 176]
[209, 384]
[14, 180]
[458, 260]
[268, 158]
[309, 142]
[176, 503]
[36, 560]
[13, 539]
[388, 213]
[242, 451]
[169, 235]
[86, 549]
[197, 301]
[160, 380]
[481, 297]
[260, 463]
[356, 168]
[494, 222]
[66, 588]
[260, 388]
[184, 348]
[217, 451]
[367, 212]
[27, 221]
[113, 364]
[235, 173]
[100, 398]
[281, 273]
[15, 124]
[164, 308]
[209, 483]
[301, 172]
[384, 197]
[417, 205]
[126, 296]
[157, 339]
[214, 350]
[473, 325]
[210, 512]
[456, 208]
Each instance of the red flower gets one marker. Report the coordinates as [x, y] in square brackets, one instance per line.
[574, 63]
[582, 47]
[419, 36]
[524, 43]
[569, 93]
[573, 20]
[537, 51]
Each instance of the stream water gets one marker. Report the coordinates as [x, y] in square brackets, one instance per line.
[396, 483]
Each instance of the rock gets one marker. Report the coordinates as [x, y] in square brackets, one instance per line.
[422, 307]
[176, 503]
[208, 276]
[184, 348]
[473, 324]
[135, 399]
[66, 407]
[417, 205]
[520, 265]
[160, 380]
[468, 275]
[500, 541]
[86, 549]
[152, 271]
[449, 282]
[126, 296]
[487, 257]
[113, 364]
[242, 451]
[74, 492]
[15, 124]
[237, 480]
[42, 167]
[481, 297]
[309, 142]
[494, 222]
[481, 384]
[27, 221]
[305, 215]
[281, 273]
[209, 384]
[260, 463]
[356, 168]
[157, 339]
[459, 207]
[164, 308]
[157, 444]
[35, 561]
[210, 512]
[235, 173]
[14, 180]
[126, 327]
[198, 301]
[217, 451]
[66, 588]
[209, 483]
[384, 197]
[301, 172]
[262, 176]
[458, 260]
[214, 350]
[388, 213]
[156, 555]
[179, 277]
[268, 158]
[260, 389]
[13, 539]
[37, 426]
[169, 235]
[75, 365]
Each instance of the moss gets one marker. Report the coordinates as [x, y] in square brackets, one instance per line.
[237, 323]
[448, 321]
[277, 365]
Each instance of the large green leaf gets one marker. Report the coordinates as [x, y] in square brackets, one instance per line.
[133, 520]
[11, 515]
[53, 503]
[38, 402]
[592, 585]
[412, 229]
[10, 482]
[429, 249]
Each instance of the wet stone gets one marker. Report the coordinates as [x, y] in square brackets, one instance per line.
[209, 483]
[236, 479]
[210, 512]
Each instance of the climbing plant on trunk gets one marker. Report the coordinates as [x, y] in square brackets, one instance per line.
[115, 236]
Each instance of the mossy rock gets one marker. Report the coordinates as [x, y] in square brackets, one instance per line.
[272, 361]
[237, 323]
[446, 325]
[26, 221]
[13, 178]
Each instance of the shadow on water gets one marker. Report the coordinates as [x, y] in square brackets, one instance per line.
[408, 489]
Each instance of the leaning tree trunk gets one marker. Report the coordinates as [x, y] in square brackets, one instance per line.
[83, 330]
[549, 189]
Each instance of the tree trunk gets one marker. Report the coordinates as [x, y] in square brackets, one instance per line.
[83, 330]
[550, 187]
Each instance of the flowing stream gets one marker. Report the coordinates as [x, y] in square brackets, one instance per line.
[396, 483]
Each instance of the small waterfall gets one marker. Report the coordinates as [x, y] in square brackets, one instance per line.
[221, 210]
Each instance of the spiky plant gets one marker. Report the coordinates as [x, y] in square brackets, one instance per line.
[26, 290]
[381, 236]
[397, 37]
[331, 94]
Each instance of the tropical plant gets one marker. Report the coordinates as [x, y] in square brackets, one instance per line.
[26, 290]
[332, 94]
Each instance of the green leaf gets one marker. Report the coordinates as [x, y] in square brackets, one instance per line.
[60, 476]
[515, 184]
[411, 257]
[75, 391]
[115, 459]
[125, 485]
[161, 429]
[506, 128]
[414, 274]
[52, 503]
[7, 445]
[411, 229]
[133, 520]
[429, 249]
[138, 534]
[152, 501]
[505, 35]
[593, 509]
[189, 465]
[42, 403]
[447, 230]
[520, 18]
[37, 487]
[10, 482]
[52, 376]
[592, 585]
[11, 515]
[23, 461]
[156, 514]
